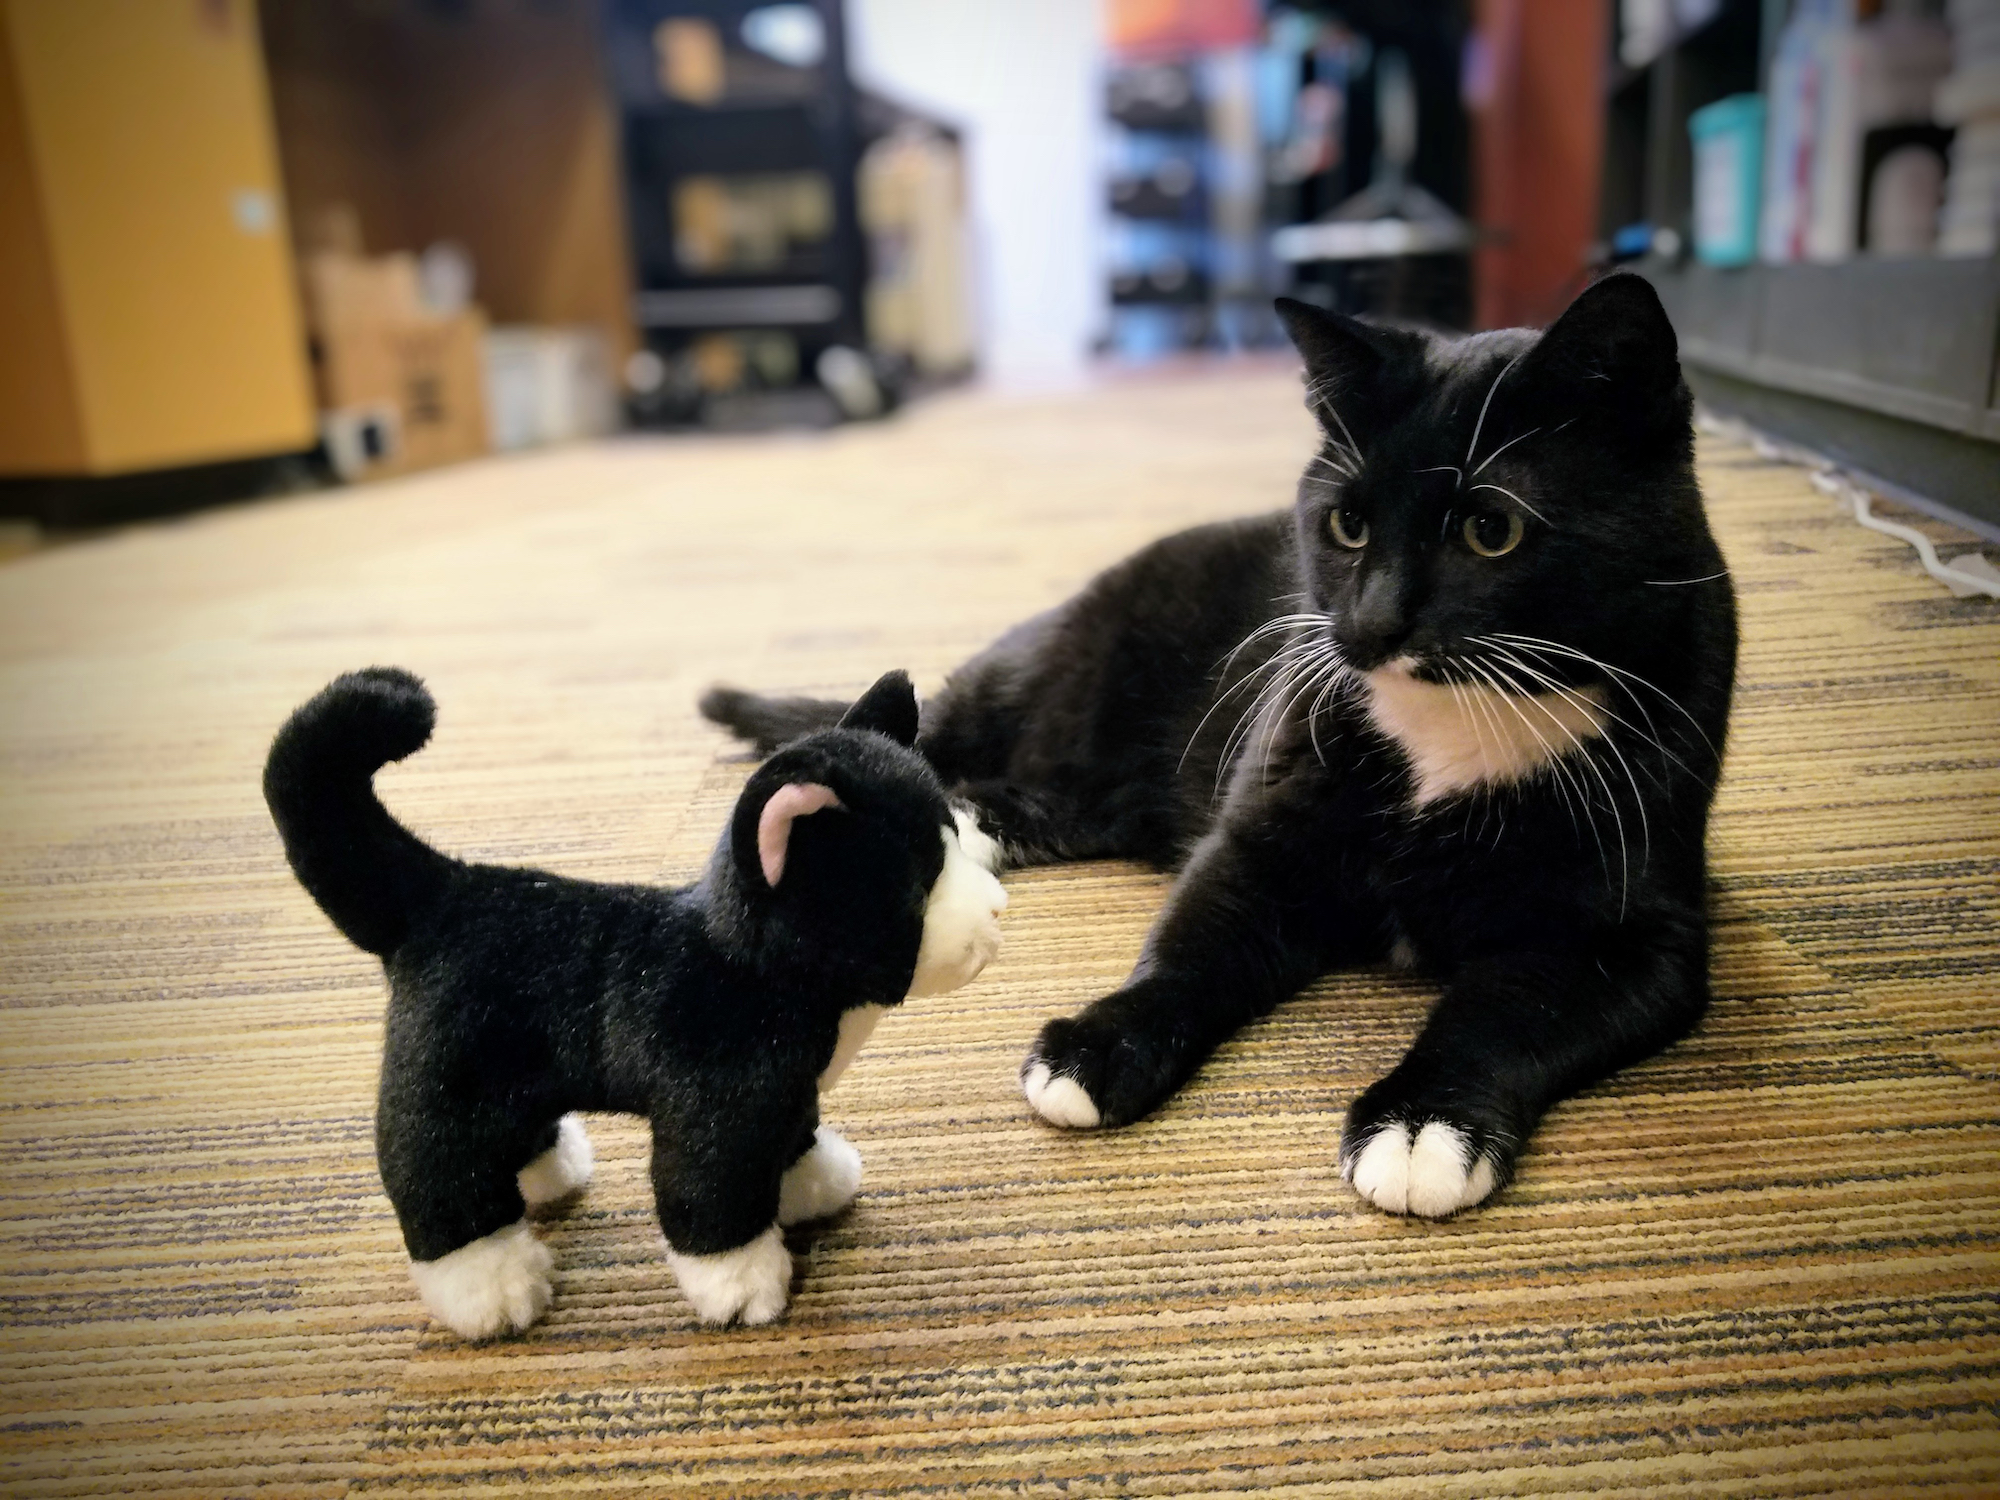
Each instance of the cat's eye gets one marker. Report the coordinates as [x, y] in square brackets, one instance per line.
[1347, 526]
[1493, 533]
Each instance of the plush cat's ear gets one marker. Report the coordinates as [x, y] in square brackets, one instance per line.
[1613, 348]
[783, 808]
[1343, 360]
[889, 707]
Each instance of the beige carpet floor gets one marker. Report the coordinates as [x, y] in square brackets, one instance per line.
[1767, 1263]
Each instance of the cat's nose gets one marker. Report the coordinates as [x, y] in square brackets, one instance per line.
[1379, 621]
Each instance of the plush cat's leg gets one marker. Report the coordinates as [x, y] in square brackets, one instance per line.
[717, 1164]
[478, 1281]
[499, 1283]
[1511, 1037]
[561, 1170]
[1254, 917]
[822, 1182]
[451, 1176]
[749, 1284]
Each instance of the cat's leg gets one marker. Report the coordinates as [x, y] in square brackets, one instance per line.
[1511, 1036]
[561, 1168]
[1257, 914]
[476, 1262]
[717, 1172]
[1029, 825]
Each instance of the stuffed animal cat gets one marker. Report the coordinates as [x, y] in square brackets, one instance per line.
[843, 883]
[1461, 707]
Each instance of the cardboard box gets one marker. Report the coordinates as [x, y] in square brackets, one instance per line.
[378, 349]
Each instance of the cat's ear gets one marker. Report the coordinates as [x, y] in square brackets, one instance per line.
[1613, 348]
[769, 837]
[889, 707]
[1343, 362]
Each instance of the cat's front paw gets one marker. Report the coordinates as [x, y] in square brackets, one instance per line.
[1090, 1070]
[1433, 1171]
[1058, 1099]
[747, 1285]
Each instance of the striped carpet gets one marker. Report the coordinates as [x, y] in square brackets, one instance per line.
[1767, 1263]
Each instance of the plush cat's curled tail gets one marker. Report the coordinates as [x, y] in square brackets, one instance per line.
[366, 871]
[767, 723]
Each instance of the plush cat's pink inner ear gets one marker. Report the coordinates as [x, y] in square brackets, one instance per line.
[794, 800]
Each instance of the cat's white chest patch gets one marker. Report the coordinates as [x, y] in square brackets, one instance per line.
[1462, 736]
[856, 1026]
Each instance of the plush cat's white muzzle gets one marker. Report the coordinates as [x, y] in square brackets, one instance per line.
[962, 915]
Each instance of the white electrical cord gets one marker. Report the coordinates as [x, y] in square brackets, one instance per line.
[1959, 580]
[1970, 575]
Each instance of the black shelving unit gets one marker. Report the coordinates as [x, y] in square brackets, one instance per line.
[1648, 163]
[1891, 367]
[771, 118]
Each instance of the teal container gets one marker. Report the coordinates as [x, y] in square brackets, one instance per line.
[1728, 140]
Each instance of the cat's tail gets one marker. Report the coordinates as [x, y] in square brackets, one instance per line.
[766, 723]
[367, 872]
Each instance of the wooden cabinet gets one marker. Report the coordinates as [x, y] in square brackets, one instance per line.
[146, 282]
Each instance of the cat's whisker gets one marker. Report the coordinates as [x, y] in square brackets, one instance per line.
[1574, 793]
[1563, 779]
[1466, 702]
[1341, 469]
[1269, 714]
[1315, 666]
[1675, 583]
[1589, 709]
[1270, 627]
[1319, 396]
[1479, 426]
[1283, 622]
[1288, 661]
[1504, 447]
[1519, 695]
[1616, 672]
[1648, 736]
[1517, 500]
[1337, 677]
[1513, 700]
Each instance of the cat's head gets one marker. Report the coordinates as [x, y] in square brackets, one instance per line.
[844, 859]
[1507, 484]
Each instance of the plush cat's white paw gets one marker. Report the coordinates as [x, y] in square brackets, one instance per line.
[822, 1182]
[499, 1284]
[563, 1170]
[747, 1285]
[979, 845]
[1060, 1101]
[1434, 1174]
[961, 918]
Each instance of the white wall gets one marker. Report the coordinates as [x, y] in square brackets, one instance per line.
[1024, 79]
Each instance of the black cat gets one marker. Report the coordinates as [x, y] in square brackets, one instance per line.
[1462, 708]
[843, 883]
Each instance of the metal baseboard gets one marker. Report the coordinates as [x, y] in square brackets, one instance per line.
[1945, 474]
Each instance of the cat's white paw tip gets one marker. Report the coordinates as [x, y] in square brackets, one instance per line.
[1060, 1101]
[499, 1284]
[1428, 1175]
[747, 1285]
[561, 1171]
[822, 1182]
